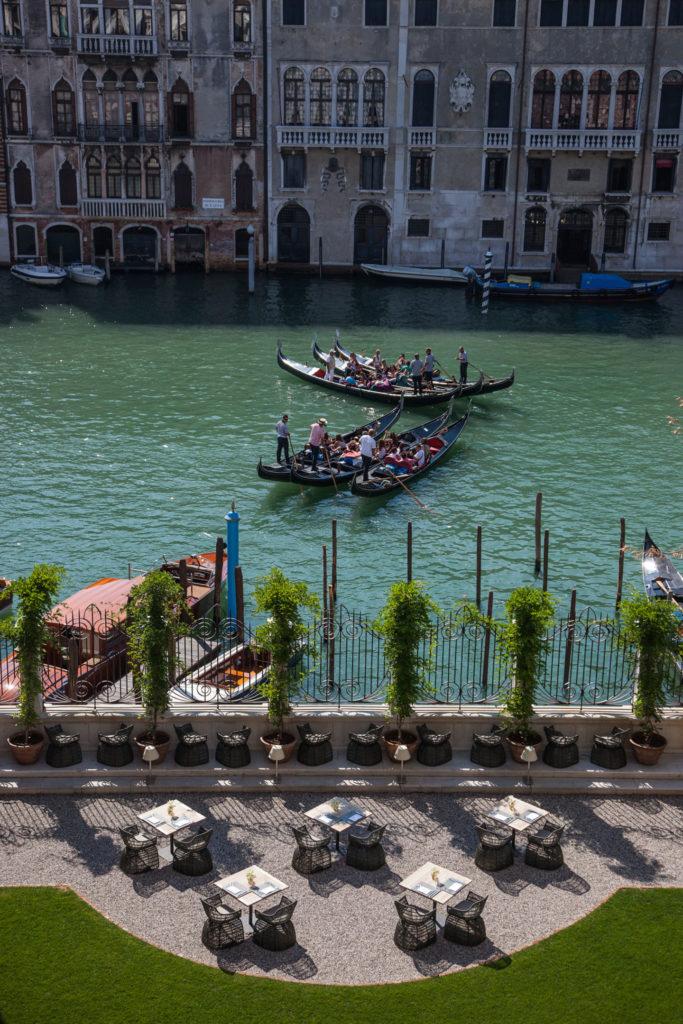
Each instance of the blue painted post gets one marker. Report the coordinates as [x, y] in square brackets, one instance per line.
[487, 281]
[233, 534]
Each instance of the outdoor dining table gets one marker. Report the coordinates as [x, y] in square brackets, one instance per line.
[439, 889]
[249, 894]
[340, 820]
[516, 814]
[161, 819]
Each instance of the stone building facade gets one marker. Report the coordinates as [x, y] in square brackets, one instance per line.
[411, 131]
[133, 128]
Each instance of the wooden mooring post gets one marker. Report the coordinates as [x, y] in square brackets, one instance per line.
[537, 532]
[487, 643]
[478, 592]
[182, 579]
[217, 579]
[409, 568]
[546, 544]
[334, 560]
[324, 583]
[620, 575]
[570, 640]
[330, 641]
[239, 602]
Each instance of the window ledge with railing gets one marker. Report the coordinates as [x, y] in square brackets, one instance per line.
[124, 209]
[667, 139]
[587, 141]
[498, 138]
[120, 133]
[61, 44]
[117, 46]
[12, 42]
[315, 137]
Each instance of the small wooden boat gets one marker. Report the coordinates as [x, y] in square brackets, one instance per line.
[229, 675]
[660, 576]
[5, 598]
[338, 473]
[414, 275]
[316, 375]
[592, 288]
[48, 275]
[383, 480]
[282, 472]
[85, 273]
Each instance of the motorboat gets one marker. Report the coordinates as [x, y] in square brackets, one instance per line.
[593, 288]
[47, 275]
[415, 275]
[85, 273]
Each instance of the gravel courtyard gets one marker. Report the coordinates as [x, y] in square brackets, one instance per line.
[344, 918]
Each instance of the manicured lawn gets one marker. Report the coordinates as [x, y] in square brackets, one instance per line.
[62, 963]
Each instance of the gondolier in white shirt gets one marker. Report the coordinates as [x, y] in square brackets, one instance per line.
[416, 373]
[428, 370]
[330, 364]
[282, 431]
[462, 359]
[367, 450]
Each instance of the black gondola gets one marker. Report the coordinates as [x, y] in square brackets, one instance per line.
[660, 576]
[382, 480]
[282, 471]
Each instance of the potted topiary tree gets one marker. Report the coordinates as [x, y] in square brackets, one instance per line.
[28, 633]
[406, 627]
[282, 636]
[522, 645]
[154, 622]
[649, 635]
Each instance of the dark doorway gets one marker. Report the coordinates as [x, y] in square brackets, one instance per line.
[293, 235]
[68, 240]
[188, 245]
[140, 247]
[370, 235]
[103, 242]
[574, 234]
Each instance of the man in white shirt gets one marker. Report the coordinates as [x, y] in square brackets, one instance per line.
[330, 364]
[367, 450]
[282, 430]
[416, 373]
[428, 370]
[463, 360]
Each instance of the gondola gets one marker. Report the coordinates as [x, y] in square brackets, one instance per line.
[660, 576]
[599, 289]
[476, 387]
[335, 473]
[382, 480]
[282, 472]
[315, 375]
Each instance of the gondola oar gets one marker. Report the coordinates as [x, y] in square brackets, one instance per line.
[414, 496]
[295, 465]
[329, 466]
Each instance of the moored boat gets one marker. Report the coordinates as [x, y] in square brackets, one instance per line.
[661, 578]
[229, 675]
[593, 288]
[48, 275]
[85, 273]
[414, 275]
[5, 595]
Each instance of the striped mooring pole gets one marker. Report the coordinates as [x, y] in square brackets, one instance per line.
[488, 258]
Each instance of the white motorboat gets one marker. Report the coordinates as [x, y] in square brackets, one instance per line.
[85, 273]
[47, 275]
[415, 275]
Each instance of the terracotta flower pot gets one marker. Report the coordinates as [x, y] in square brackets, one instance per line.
[516, 745]
[647, 750]
[391, 742]
[161, 741]
[288, 743]
[26, 753]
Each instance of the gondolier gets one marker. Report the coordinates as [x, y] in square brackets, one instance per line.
[367, 450]
[316, 438]
[463, 360]
[416, 374]
[283, 438]
[330, 364]
[428, 369]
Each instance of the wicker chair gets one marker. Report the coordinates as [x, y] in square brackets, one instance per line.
[496, 848]
[464, 923]
[561, 751]
[192, 748]
[232, 750]
[365, 850]
[543, 847]
[416, 927]
[315, 747]
[114, 749]
[273, 929]
[488, 749]
[64, 748]
[608, 751]
[364, 747]
[192, 856]
[313, 850]
[224, 926]
[140, 853]
[435, 747]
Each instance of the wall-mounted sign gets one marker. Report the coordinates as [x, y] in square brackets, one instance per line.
[213, 204]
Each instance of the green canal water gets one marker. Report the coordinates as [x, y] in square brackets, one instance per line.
[134, 414]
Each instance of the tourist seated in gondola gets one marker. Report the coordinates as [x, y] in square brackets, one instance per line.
[337, 445]
[350, 379]
[353, 365]
[351, 455]
[381, 383]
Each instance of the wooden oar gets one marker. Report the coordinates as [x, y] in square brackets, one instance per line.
[301, 488]
[442, 367]
[329, 466]
[479, 370]
[414, 496]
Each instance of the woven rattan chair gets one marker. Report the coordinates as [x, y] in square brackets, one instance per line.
[365, 850]
[561, 751]
[64, 748]
[608, 751]
[192, 748]
[114, 749]
[315, 747]
[232, 750]
[464, 923]
[223, 926]
[416, 927]
[274, 929]
[140, 853]
[488, 748]
[543, 847]
[364, 747]
[312, 852]
[192, 856]
[496, 848]
[435, 747]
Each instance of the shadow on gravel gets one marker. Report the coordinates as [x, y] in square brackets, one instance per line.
[294, 962]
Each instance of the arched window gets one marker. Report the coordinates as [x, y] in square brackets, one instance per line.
[68, 189]
[63, 109]
[571, 96]
[543, 101]
[110, 104]
[626, 101]
[180, 119]
[347, 98]
[133, 178]
[26, 240]
[670, 100]
[534, 229]
[131, 106]
[500, 87]
[241, 22]
[113, 178]
[295, 96]
[597, 105]
[17, 121]
[615, 231]
[23, 190]
[150, 103]
[153, 178]
[91, 112]
[373, 99]
[93, 171]
[182, 187]
[321, 97]
[423, 99]
[244, 179]
[243, 111]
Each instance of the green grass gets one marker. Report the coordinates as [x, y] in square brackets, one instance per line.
[62, 963]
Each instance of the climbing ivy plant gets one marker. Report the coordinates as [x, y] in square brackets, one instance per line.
[650, 637]
[522, 645]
